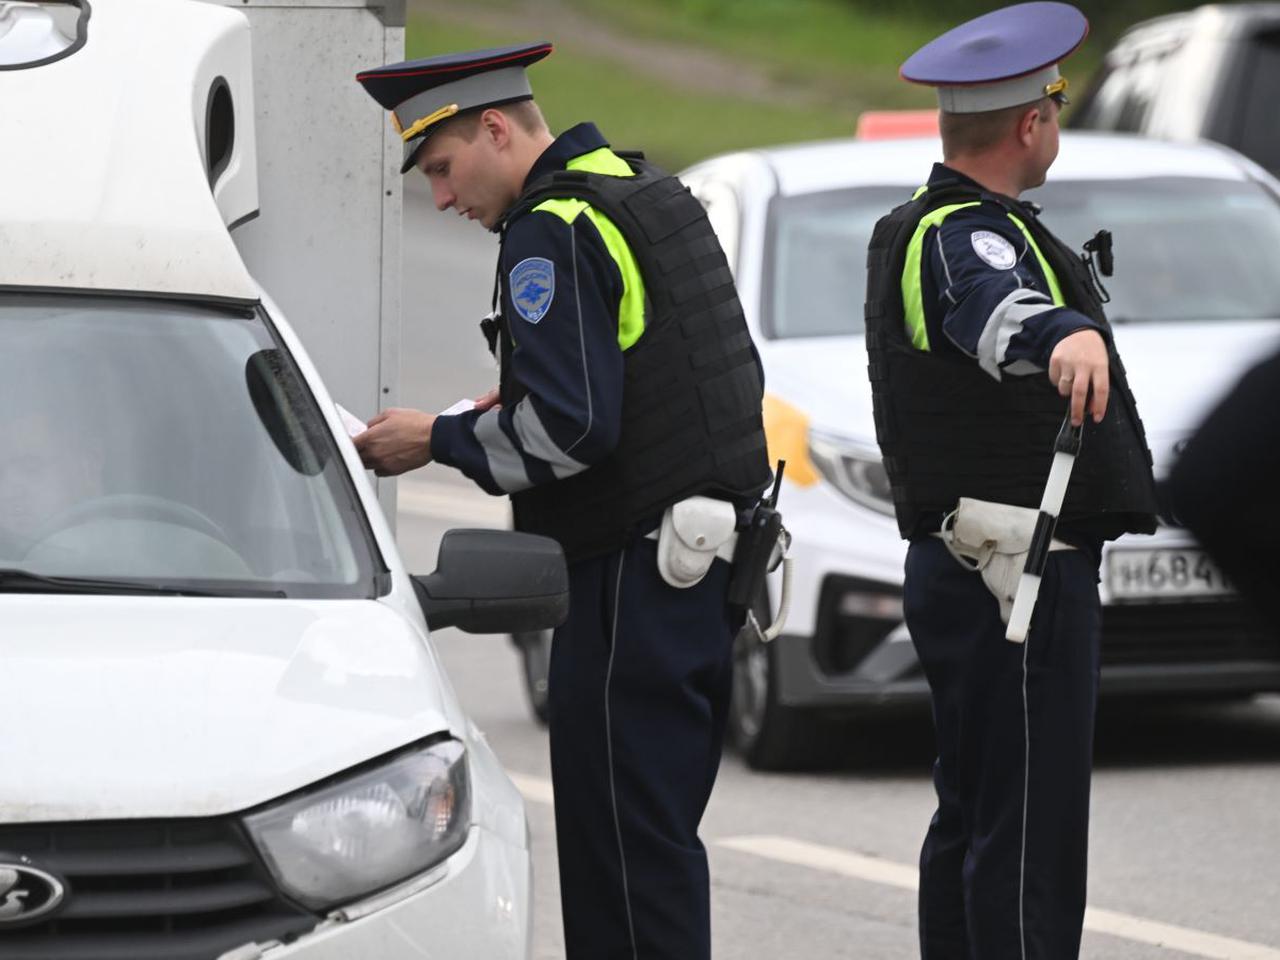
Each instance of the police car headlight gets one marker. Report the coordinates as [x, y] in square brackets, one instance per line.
[369, 830]
[856, 471]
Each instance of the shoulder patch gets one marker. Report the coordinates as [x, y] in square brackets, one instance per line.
[994, 249]
[532, 285]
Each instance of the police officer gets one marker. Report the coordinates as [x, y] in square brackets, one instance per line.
[983, 330]
[628, 384]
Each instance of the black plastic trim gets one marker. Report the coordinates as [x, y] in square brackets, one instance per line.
[82, 37]
[251, 215]
[216, 166]
[115, 911]
[829, 619]
[234, 303]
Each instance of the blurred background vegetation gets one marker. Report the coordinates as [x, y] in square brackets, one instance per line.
[685, 79]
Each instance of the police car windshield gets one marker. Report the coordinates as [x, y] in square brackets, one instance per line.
[815, 267]
[1186, 249]
[170, 445]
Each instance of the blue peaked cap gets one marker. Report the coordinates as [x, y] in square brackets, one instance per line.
[1001, 59]
[421, 94]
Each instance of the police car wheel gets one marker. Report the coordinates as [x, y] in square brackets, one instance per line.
[535, 661]
[768, 734]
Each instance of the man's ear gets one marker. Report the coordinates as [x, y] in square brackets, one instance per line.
[495, 125]
[1027, 125]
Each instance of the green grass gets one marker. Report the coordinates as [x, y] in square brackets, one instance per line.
[844, 51]
[833, 59]
[675, 126]
[844, 54]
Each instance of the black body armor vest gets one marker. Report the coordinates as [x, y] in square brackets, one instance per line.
[693, 388]
[947, 429]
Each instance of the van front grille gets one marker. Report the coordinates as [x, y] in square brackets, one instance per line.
[148, 890]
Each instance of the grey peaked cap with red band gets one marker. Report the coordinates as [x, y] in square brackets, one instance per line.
[421, 94]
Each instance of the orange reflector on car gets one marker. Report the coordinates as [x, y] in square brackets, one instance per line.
[787, 431]
[892, 124]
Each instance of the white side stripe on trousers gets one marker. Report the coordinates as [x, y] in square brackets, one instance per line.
[608, 739]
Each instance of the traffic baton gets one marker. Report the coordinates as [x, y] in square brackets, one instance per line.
[1065, 449]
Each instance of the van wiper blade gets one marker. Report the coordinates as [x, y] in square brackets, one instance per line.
[15, 580]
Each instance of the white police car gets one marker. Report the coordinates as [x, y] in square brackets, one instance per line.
[1195, 298]
[223, 729]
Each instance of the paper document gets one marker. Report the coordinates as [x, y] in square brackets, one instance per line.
[353, 424]
[462, 406]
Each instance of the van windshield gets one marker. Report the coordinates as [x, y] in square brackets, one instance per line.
[1186, 249]
[169, 445]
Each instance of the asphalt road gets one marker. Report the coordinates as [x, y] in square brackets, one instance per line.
[1185, 843]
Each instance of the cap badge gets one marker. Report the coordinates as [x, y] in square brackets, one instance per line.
[408, 133]
[1057, 90]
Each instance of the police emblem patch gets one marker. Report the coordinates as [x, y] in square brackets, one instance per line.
[533, 286]
[994, 249]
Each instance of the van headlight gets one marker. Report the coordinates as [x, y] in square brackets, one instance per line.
[855, 470]
[369, 830]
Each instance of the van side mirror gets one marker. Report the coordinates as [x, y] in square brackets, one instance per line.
[495, 581]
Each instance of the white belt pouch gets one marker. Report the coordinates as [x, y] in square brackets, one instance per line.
[993, 539]
[693, 533]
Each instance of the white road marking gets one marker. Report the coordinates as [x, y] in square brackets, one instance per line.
[1185, 939]
[826, 859]
[874, 870]
[887, 873]
[454, 504]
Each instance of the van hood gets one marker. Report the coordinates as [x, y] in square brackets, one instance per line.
[1177, 371]
[129, 707]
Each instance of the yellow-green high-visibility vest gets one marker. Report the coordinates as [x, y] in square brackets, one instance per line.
[912, 289]
[631, 310]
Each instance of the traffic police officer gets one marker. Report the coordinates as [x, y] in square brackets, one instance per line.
[971, 302]
[628, 383]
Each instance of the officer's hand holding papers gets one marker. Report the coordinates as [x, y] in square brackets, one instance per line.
[350, 422]
[398, 440]
[487, 402]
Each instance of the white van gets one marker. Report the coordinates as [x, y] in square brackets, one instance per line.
[224, 732]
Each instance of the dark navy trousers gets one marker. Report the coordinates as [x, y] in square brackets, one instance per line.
[638, 695]
[1002, 870]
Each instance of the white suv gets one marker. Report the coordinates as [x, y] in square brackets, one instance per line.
[1195, 299]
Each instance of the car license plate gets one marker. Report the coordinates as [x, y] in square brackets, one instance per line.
[1164, 573]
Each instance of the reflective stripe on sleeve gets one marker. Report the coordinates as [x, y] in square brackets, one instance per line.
[537, 442]
[505, 463]
[1004, 324]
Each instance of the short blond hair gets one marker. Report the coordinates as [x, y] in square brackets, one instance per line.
[526, 115]
[966, 133]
